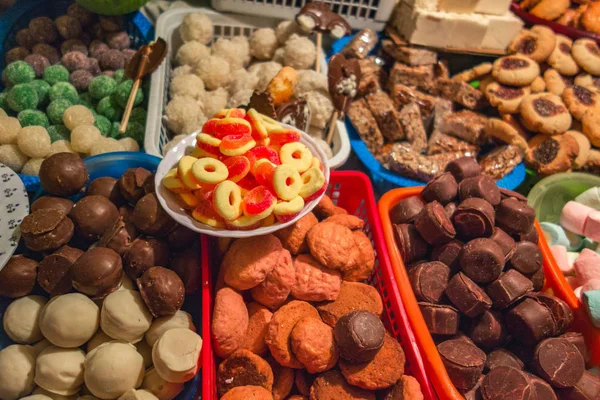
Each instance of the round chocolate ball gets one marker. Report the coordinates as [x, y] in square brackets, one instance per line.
[17, 278]
[54, 271]
[48, 51]
[63, 174]
[74, 61]
[38, 62]
[93, 215]
[81, 14]
[111, 60]
[97, 273]
[181, 238]
[162, 291]
[73, 45]
[46, 229]
[68, 27]
[359, 336]
[25, 38]
[150, 218]
[144, 253]
[57, 203]
[106, 187]
[118, 40]
[132, 182]
[185, 264]
[97, 47]
[43, 30]
[119, 236]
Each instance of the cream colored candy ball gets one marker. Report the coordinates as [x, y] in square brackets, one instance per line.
[87, 397]
[36, 397]
[77, 115]
[60, 370]
[125, 316]
[106, 145]
[175, 355]
[32, 167]
[146, 352]
[159, 387]
[3, 113]
[140, 394]
[43, 392]
[112, 369]
[12, 157]
[17, 364]
[84, 138]
[129, 144]
[69, 320]
[21, 317]
[9, 129]
[34, 141]
[99, 338]
[61, 146]
[41, 345]
[180, 319]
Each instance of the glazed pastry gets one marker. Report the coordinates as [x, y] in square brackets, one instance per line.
[545, 113]
[579, 100]
[473, 73]
[587, 54]
[506, 98]
[537, 43]
[561, 58]
[515, 70]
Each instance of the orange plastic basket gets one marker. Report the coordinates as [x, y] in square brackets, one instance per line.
[555, 283]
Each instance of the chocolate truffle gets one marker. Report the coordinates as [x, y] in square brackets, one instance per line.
[514, 216]
[63, 174]
[406, 210]
[503, 381]
[578, 340]
[144, 253]
[448, 253]
[508, 288]
[131, 183]
[359, 336]
[474, 218]
[481, 186]
[440, 319]
[181, 238]
[467, 296]
[561, 312]
[463, 168]
[558, 362]
[46, 230]
[97, 273]
[531, 236]
[411, 245]
[57, 203]
[429, 280]
[17, 278]
[150, 218]
[488, 331]
[529, 322]
[463, 361]
[43, 30]
[68, 27]
[106, 187]
[434, 225]
[442, 189]
[502, 357]
[118, 237]
[482, 260]
[54, 271]
[505, 241]
[587, 388]
[187, 265]
[93, 215]
[527, 258]
[162, 290]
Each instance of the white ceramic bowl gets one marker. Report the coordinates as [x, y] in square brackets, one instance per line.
[171, 204]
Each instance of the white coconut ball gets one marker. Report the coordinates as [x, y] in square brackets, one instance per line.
[61, 146]
[34, 141]
[230, 51]
[309, 80]
[12, 157]
[279, 56]
[263, 43]
[32, 167]
[17, 363]
[129, 144]
[180, 111]
[84, 138]
[9, 129]
[300, 52]
[243, 46]
[214, 101]
[191, 53]
[240, 98]
[241, 80]
[214, 71]
[265, 72]
[320, 106]
[21, 318]
[106, 145]
[186, 85]
[183, 70]
[285, 29]
[77, 115]
[196, 26]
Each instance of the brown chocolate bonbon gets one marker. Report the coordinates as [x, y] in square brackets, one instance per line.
[144, 253]
[514, 216]
[467, 296]
[481, 186]
[17, 278]
[558, 362]
[448, 253]
[578, 340]
[434, 225]
[561, 312]
[508, 288]
[482, 260]
[162, 291]
[507, 382]
[359, 336]
[406, 210]
[527, 259]
[410, 243]
[54, 271]
[587, 388]
[57, 203]
[463, 168]
[489, 330]
[118, 237]
[505, 241]
[46, 229]
[442, 189]
[93, 215]
[150, 218]
[132, 183]
[541, 388]
[97, 272]
[440, 319]
[107, 187]
[63, 174]
[463, 361]
[530, 322]
[474, 218]
[502, 357]
[429, 281]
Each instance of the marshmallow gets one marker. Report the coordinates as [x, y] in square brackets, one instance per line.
[555, 235]
[592, 284]
[577, 292]
[592, 226]
[572, 255]
[572, 281]
[591, 302]
[574, 216]
[587, 266]
[562, 259]
[590, 198]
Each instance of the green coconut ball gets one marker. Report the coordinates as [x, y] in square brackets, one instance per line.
[23, 97]
[101, 87]
[33, 118]
[119, 75]
[56, 109]
[123, 91]
[19, 72]
[43, 90]
[55, 74]
[115, 131]
[103, 124]
[64, 90]
[58, 132]
[139, 114]
[136, 131]
[108, 108]
[4, 101]
[86, 100]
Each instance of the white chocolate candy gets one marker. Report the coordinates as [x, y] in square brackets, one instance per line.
[176, 354]
[125, 316]
[77, 115]
[41, 345]
[43, 392]
[17, 363]
[60, 370]
[99, 338]
[159, 387]
[146, 353]
[180, 319]
[21, 319]
[140, 394]
[36, 397]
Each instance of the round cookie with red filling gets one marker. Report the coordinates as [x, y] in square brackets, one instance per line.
[587, 54]
[536, 43]
[506, 98]
[561, 58]
[545, 113]
[515, 70]
[580, 99]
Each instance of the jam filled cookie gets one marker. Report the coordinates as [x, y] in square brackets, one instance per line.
[584, 148]
[545, 113]
[551, 155]
[579, 99]
[588, 81]
[555, 82]
[591, 125]
[561, 58]
[587, 54]
[515, 70]
[537, 43]
[506, 98]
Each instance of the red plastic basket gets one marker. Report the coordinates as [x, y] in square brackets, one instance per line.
[352, 191]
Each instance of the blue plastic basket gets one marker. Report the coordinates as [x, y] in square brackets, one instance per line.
[114, 165]
[385, 180]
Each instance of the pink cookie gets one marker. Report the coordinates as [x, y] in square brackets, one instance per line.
[587, 266]
[574, 217]
[572, 282]
[592, 226]
[562, 259]
[592, 284]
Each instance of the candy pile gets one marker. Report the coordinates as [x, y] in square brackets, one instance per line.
[103, 261]
[246, 171]
[308, 314]
[471, 254]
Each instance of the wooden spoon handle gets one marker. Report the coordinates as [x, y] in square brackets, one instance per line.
[129, 107]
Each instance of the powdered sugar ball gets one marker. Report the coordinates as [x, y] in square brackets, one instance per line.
[181, 113]
[309, 80]
[106, 145]
[9, 129]
[77, 115]
[214, 101]
[32, 167]
[12, 157]
[186, 85]
[285, 29]
[241, 80]
[230, 52]
[240, 98]
[263, 43]
[34, 141]
[243, 46]
[265, 72]
[84, 138]
[320, 106]
[61, 146]
[325, 147]
[196, 26]
[183, 70]
[129, 144]
[279, 55]
[300, 52]
[191, 53]
[214, 71]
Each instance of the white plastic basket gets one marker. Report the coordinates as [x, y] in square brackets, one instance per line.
[225, 25]
[360, 14]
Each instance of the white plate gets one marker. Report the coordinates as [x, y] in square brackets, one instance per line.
[170, 203]
[14, 206]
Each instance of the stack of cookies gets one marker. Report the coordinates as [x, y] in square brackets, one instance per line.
[292, 318]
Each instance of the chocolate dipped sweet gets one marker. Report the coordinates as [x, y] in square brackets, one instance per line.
[150, 218]
[63, 174]
[429, 281]
[181, 238]
[263, 103]
[587, 388]
[558, 362]
[410, 243]
[560, 311]
[317, 16]
[467, 296]
[97, 273]
[450, 209]
[107, 187]
[359, 336]
[295, 113]
[440, 319]
[17, 278]
[93, 215]
[463, 361]
[508, 288]
[502, 358]
[531, 236]
[162, 291]
[530, 322]
[527, 258]
[482, 260]
[474, 218]
[514, 216]
[481, 186]
[46, 230]
[54, 271]
[541, 388]
[488, 330]
[343, 76]
[144, 253]
[119, 236]
[57, 203]
[503, 381]
[506, 193]
[187, 265]
[406, 210]
[434, 225]
[131, 184]
[463, 168]
[505, 241]
[442, 189]
[449, 254]
[578, 340]
[538, 279]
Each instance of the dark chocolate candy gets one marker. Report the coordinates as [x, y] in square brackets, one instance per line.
[508, 288]
[558, 362]
[502, 357]
[541, 388]
[440, 319]
[442, 189]
[488, 331]
[411, 245]
[93, 215]
[529, 322]
[448, 253]
[46, 229]
[579, 341]
[505, 382]
[150, 218]
[57, 203]
[359, 336]
[587, 388]
[318, 17]
[474, 218]
[474, 393]
[561, 312]
[187, 265]
[527, 259]
[531, 236]
[63, 174]
[506, 193]
[538, 279]
[406, 210]
[54, 271]
[514, 216]
[144, 253]
[97, 273]
[107, 187]
[162, 291]
[463, 168]
[481, 186]
[131, 184]
[505, 241]
[482, 260]
[119, 236]
[429, 280]
[17, 278]
[523, 352]
[343, 76]
[463, 361]
[450, 209]
[263, 103]
[467, 296]
[434, 225]
[181, 238]
[296, 113]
